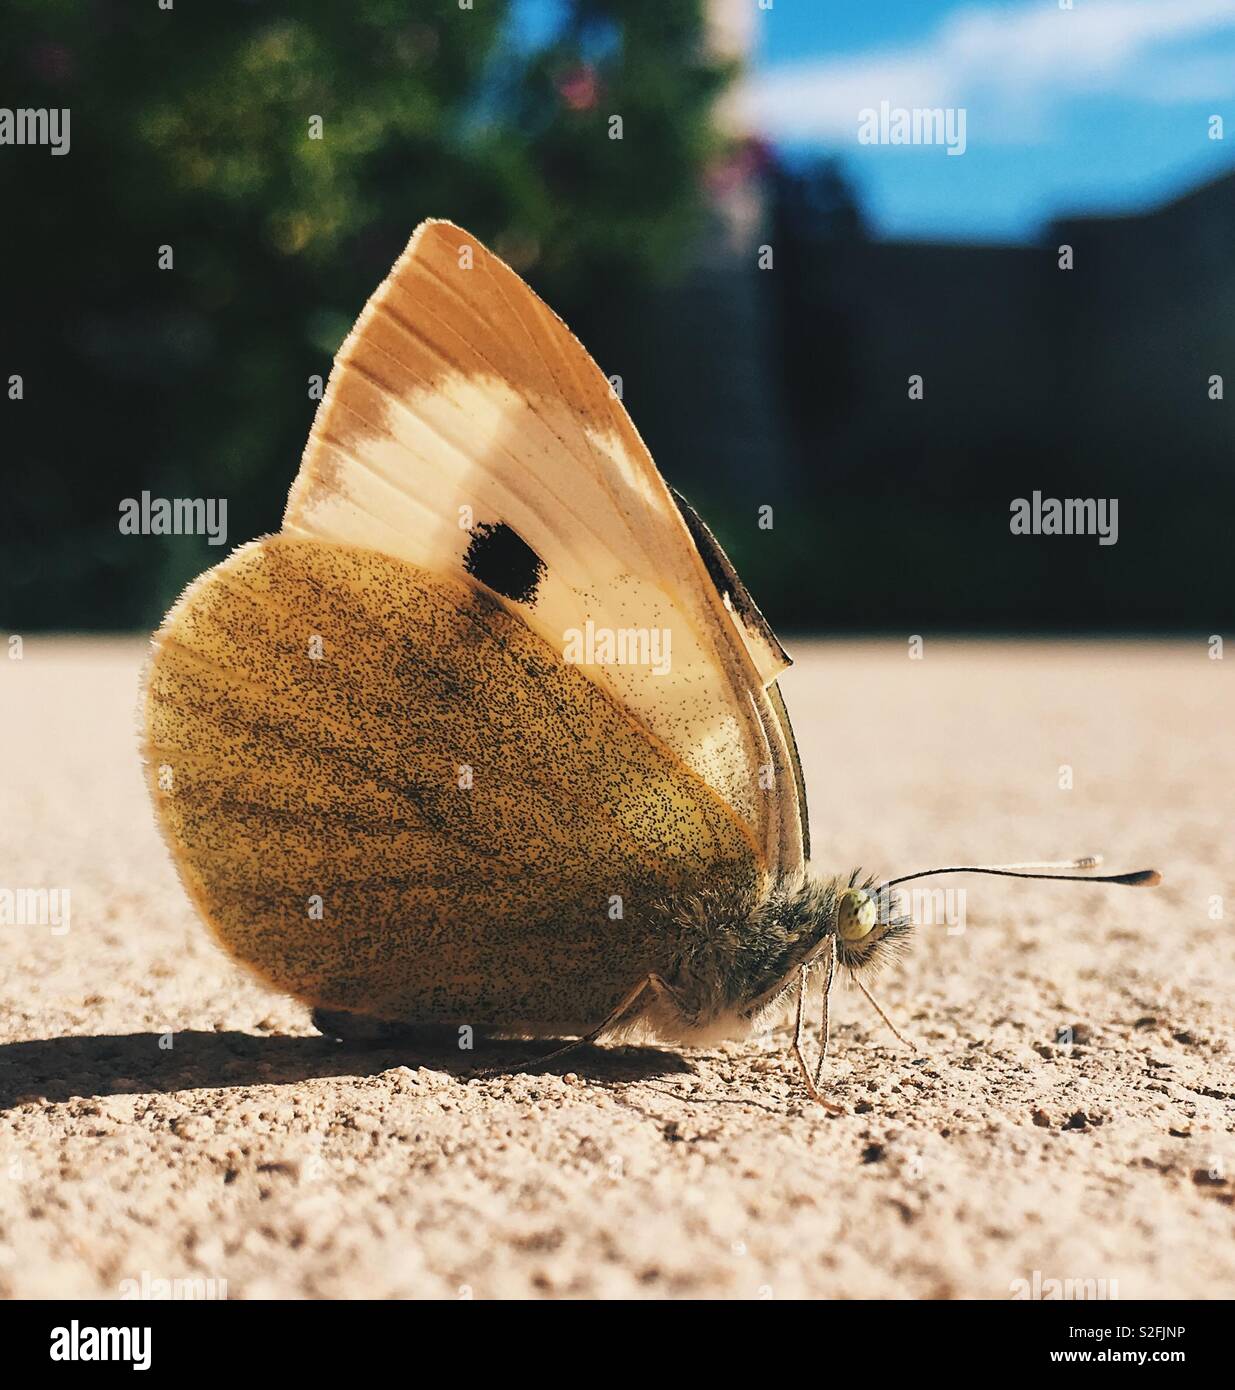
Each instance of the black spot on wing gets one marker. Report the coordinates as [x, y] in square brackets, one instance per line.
[499, 557]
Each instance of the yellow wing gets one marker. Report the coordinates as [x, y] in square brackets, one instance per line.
[465, 430]
[388, 795]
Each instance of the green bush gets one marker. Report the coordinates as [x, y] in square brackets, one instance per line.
[190, 129]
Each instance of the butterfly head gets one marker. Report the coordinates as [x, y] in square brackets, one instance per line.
[733, 958]
[867, 929]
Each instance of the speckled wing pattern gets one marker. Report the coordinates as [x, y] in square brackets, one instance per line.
[388, 795]
[385, 784]
[460, 410]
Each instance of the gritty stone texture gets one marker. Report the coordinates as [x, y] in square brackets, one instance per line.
[162, 1112]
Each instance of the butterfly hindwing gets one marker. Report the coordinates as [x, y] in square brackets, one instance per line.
[389, 796]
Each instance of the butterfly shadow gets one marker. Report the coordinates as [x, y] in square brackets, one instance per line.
[89, 1066]
[609, 1063]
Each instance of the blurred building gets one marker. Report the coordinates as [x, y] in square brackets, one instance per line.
[1106, 362]
[791, 386]
[1148, 319]
[1093, 381]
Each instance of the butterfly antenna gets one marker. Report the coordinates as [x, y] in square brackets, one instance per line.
[1141, 878]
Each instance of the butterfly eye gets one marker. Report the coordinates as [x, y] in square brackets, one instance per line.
[855, 915]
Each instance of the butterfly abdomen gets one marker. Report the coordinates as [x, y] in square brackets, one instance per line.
[735, 954]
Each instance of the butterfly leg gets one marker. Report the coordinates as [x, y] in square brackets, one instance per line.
[895, 1031]
[652, 982]
[825, 1019]
[799, 1028]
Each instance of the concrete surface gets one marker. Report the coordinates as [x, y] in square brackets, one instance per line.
[163, 1117]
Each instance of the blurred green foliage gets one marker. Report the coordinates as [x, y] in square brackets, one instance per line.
[191, 130]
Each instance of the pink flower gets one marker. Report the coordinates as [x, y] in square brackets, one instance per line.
[578, 87]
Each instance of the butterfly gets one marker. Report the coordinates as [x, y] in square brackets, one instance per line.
[490, 732]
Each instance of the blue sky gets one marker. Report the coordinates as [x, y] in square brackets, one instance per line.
[1104, 107]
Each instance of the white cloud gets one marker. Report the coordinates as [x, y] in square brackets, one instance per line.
[1013, 60]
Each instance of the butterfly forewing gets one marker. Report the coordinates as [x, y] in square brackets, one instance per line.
[465, 430]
